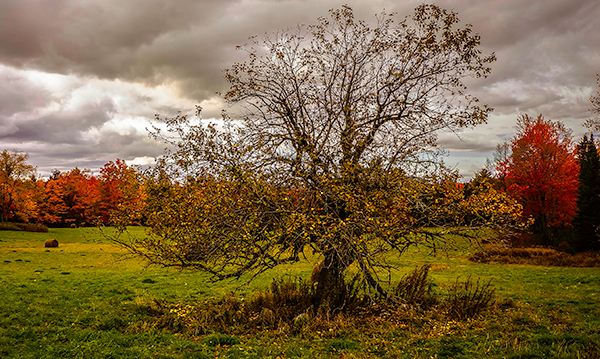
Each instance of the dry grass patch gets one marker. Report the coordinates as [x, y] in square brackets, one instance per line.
[535, 256]
[26, 227]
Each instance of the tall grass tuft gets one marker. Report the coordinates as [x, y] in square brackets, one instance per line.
[416, 288]
[468, 299]
[286, 299]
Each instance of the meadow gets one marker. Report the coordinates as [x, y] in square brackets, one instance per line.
[84, 299]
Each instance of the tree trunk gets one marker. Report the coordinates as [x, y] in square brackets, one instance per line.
[331, 291]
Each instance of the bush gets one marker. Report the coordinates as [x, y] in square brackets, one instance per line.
[26, 227]
[536, 256]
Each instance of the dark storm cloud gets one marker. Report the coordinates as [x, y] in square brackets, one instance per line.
[144, 40]
[186, 43]
[548, 53]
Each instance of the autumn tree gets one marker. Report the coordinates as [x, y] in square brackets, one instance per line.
[482, 179]
[50, 200]
[541, 171]
[121, 190]
[17, 180]
[72, 198]
[84, 196]
[587, 218]
[333, 153]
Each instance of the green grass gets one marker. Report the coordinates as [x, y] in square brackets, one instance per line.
[83, 300]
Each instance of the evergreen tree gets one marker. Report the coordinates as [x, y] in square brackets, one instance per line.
[587, 217]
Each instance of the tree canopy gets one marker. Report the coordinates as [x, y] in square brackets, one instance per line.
[540, 169]
[14, 200]
[333, 153]
[587, 218]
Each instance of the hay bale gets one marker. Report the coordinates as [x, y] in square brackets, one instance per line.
[51, 243]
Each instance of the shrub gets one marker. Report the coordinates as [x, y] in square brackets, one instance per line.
[536, 256]
[26, 227]
[468, 299]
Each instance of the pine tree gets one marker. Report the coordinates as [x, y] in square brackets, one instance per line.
[587, 217]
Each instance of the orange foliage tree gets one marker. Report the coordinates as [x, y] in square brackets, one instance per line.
[541, 171]
[121, 190]
[76, 197]
[50, 201]
[17, 184]
[70, 198]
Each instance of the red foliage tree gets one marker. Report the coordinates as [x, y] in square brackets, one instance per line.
[87, 196]
[541, 171]
[71, 198]
[121, 190]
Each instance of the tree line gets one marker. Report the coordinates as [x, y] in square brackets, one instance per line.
[554, 180]
[71, 198]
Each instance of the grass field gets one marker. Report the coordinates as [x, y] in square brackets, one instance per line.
[83, 300]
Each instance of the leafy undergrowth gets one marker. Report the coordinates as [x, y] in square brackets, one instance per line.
[287, 308]
[535, 256]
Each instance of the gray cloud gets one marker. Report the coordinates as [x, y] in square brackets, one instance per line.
[17, 94]
[119, 62]
[63, 128]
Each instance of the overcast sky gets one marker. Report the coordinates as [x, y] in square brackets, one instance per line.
[80, 80]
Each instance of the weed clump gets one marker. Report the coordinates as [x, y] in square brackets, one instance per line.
[286, 299]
